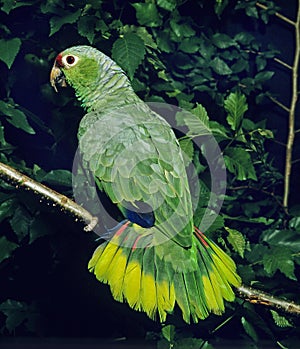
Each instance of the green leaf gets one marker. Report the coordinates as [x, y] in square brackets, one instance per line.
[129, 52]
[279, 320]
[9, 5]
[237, 241]
[238, 161]
[58, 177]
[249, 329]
[196, 121]
[187, 148]
[168, 5]
[9, 50]
[190, 45]
[6, 248]
[223, 41]
[16, 313]
[201, 113]
[7, 209]
[284, 238]
[279, 258]
[236, 106]
[263, 76]
[56, 22]
[181, 29]
[251, 11]
[147, 14]
[15, 116]
[86, 27]
[20, 222]
[39, 227]
[168, 332]
[220, 66]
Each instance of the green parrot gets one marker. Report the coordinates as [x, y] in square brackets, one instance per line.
[156, 258]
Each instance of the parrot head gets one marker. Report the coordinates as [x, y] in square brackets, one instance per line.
[94, 76]
[78, 65]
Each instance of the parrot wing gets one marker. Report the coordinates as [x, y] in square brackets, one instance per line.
[140, 167]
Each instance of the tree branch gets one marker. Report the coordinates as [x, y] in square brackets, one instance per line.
[292, 108]
[21, 181]
[291, 134]
[13, 176]
[255, 296]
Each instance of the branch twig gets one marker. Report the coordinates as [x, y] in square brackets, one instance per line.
[11, 175]
[255, 296]
[277, 14]
[20, 180]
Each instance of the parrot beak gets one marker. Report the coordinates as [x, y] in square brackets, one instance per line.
[57, 77]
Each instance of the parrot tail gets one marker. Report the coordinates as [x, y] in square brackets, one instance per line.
[148, 280]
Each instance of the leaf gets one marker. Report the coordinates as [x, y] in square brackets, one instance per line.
[6, 248]
[197, 121]
[39, 227]
[168, 5]
[284, 238]
[9, 50]
[263, 76]
[249, 329]
[223, 41]
[58, 177]
[237, 241]
[168, 332]
[20, 222]
[238, 161]
[129, 52]
[9, 5]
[7, 208]
[181, 29]
[279, 258]
[190, 45]
[16, 313]
[201, 113]
[56, 22]
[147, 14]
[279, 320]
[86, 27]
[236, 106]
[187, 148]
[15, 116]
[220, 66]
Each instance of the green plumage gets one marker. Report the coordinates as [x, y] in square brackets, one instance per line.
[135, 158]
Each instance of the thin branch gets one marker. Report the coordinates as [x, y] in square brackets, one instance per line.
[271, 194]
[277, 14]
[291, 134]
[286, 65]
[255, 296]
[21, 181]
[13, 176]
[282, 106]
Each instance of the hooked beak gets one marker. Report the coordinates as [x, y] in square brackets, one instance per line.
[57, 77]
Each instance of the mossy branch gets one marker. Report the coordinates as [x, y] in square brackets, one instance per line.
[12, 176]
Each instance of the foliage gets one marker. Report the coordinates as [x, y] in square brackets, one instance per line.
[207, 57]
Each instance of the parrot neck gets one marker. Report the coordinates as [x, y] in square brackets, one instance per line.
[112, 89]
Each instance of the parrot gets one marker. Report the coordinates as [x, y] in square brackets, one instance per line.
[155, 259]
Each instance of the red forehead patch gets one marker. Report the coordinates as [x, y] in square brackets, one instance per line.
[58, 60]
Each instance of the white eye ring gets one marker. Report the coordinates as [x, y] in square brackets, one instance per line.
[69, 60]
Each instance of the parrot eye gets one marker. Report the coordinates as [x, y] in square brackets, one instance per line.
[69, 60]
